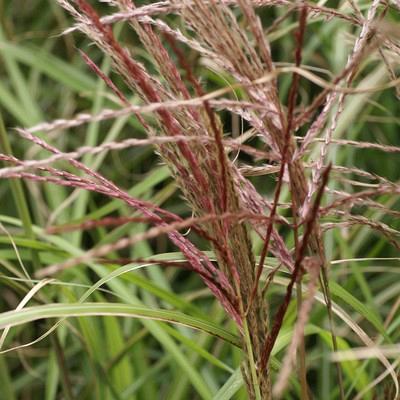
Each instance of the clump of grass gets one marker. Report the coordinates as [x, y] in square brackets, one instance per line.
[182, 122]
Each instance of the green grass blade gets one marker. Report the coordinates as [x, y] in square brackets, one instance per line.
[65, 310]
[231, 386]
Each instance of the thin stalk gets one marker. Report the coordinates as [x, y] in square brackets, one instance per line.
[252, 365]
[327, 295]
[302, 369]
[286, 146]
[309, 225]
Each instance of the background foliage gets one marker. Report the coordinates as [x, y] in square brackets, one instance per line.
[43, 77]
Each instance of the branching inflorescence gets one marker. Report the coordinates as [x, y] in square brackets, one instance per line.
[187, 132]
